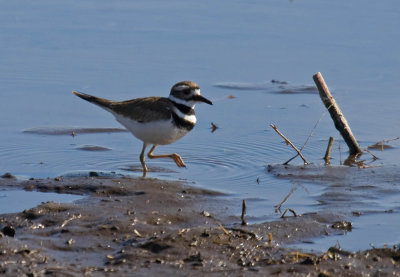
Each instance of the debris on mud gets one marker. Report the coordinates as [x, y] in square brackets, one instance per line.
[155, 227]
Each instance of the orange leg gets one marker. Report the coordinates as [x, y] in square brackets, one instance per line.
[178, 160]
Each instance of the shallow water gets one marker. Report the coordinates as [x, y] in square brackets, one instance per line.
[12, 201]
[123, 49]
[368, 197]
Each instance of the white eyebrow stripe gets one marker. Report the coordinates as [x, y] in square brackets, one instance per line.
[181, 87]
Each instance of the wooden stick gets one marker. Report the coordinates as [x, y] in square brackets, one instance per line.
[289, 142]
[243, 212]
[337, 116]
[327, 156]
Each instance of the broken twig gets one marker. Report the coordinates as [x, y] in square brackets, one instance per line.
[223, 229]
[290, 210]
[327, 156]
[289, 142]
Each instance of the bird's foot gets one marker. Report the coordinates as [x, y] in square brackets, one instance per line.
[178, 160]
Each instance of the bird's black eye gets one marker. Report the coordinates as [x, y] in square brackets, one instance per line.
[186, 92]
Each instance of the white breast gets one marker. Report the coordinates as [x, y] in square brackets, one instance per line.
[155, 132]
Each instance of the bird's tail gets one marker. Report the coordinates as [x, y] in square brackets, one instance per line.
[104, 103]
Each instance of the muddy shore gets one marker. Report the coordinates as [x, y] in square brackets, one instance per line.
[151, 227]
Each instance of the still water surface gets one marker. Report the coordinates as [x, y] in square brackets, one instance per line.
[127, 49]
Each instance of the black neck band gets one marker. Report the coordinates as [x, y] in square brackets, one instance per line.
[182, 123]
[183, 108]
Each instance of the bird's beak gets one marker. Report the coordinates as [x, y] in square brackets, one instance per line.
[200, 98]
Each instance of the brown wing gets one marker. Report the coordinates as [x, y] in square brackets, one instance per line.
[144, 109]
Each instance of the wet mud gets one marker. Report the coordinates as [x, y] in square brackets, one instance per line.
[154, 227]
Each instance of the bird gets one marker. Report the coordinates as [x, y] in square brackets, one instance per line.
[156, 120]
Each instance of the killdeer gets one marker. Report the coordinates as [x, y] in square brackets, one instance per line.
[156, 120]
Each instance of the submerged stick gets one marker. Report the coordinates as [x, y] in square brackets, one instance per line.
[289, 142]
[338, 118]
[327, 156]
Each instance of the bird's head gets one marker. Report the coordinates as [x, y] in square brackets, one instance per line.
[187, 93]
